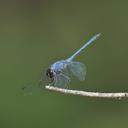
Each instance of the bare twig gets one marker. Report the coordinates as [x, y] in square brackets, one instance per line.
[88, 94]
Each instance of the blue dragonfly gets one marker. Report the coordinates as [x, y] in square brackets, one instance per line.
[58, 72]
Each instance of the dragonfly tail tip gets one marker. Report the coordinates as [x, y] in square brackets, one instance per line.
[98, 34]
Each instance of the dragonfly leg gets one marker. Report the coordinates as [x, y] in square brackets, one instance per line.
[67, 80]
[53, 82]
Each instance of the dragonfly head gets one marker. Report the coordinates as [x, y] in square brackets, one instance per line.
[50, 73]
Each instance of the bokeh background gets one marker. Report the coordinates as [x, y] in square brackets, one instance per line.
[34, 34]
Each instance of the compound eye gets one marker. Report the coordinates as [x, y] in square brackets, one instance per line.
[49, 73]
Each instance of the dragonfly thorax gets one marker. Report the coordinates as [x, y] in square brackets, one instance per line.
[58, 66]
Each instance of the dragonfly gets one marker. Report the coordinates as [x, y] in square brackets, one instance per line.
[58, 72]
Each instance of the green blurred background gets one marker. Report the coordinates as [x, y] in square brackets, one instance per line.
[34, 34]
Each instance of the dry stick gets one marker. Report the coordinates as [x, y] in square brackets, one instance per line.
[88, 94]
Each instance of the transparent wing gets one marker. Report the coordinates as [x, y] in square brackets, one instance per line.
[78, 69]
[37, 86]
[61, 80]
[29, 89]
